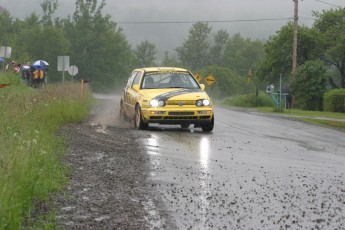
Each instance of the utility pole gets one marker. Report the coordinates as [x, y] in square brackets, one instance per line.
[294, 46]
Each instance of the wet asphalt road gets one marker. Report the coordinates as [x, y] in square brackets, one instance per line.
[253, 171]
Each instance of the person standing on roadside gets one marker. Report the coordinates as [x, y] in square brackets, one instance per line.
[38, 75]
[288, 97]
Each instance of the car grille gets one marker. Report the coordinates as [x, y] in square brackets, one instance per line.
[181, 118]
[178, 102]
[181, 113]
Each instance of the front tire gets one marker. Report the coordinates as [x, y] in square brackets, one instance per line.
[138, 120]
[206, 128]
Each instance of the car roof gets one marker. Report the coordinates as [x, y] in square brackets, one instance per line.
[150, 69]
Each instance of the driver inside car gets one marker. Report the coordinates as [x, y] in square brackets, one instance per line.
[176, 81]
[149, 83]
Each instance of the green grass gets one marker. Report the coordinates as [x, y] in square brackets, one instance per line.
[336, 124]
[299, 112]
[30, 152]
[313, 117]
[248, 100]
[264, 103]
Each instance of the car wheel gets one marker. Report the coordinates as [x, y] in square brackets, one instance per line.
[184, 125]
[138, 120]
[206, 128]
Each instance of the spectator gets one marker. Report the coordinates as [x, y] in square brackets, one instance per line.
[288, 97]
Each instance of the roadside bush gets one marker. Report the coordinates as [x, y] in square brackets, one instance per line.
[334, 101]
[10, 78]
[250, 100]
[310, 85]
[227, 82]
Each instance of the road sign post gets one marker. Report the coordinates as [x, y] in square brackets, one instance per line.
[73, 70]
[63, 65]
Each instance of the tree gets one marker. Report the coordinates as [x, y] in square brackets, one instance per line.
[240, 54]
[145, 53]
[331, 25]
[7, 27]
[310, 85]
[278, 52]
[35, 40]
[49, 7]
[217, 51]
[170, 61]
[194, 53]
[98, 47]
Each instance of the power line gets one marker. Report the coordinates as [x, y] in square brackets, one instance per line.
[327, 3]
[209, 21]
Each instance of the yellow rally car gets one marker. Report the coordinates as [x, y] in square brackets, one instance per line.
[166, 95]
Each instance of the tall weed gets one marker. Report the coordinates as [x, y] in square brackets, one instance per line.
[29, 150]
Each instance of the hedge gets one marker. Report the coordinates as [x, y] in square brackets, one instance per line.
[334, 101]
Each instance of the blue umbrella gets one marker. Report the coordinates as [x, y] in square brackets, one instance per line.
[40, 63]
[1, 59]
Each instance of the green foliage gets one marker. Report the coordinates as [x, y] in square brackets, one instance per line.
[194, 52]
[30, 164]
[236, 53]
[249, 100]
[217, 51]
[336, 124]
[145, 53]
[7, 28]
[334, 101]
[331, 25]
[240, 54]
[94, 43]
[49, 7]
[170, 61]
[278, 51]
[310, 85]
[10, 78]
[227, 83]
[98, 48]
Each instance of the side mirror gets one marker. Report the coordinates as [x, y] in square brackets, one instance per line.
[136, 88]
[202, 86]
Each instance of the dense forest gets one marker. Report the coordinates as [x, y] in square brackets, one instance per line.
[103, 55]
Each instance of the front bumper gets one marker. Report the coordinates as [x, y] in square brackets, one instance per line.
[202, 115]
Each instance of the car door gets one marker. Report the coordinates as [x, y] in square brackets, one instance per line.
[125, 96]
[132, 94]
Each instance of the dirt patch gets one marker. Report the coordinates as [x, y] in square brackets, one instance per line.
[107, 186]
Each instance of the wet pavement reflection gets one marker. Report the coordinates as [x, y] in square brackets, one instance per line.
[245, 176]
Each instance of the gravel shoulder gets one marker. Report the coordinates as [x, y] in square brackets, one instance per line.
[107, 186]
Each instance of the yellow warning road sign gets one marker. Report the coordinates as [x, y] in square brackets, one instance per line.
[198, 77]
[210, 80]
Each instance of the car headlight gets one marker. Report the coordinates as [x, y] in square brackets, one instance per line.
[206, 102]
[156, 103]
[202, 102]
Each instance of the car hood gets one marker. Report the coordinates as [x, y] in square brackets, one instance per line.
[174, 94]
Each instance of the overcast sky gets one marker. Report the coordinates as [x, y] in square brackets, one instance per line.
[167, 36]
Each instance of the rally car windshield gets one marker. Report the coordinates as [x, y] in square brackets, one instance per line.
[161, 80]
